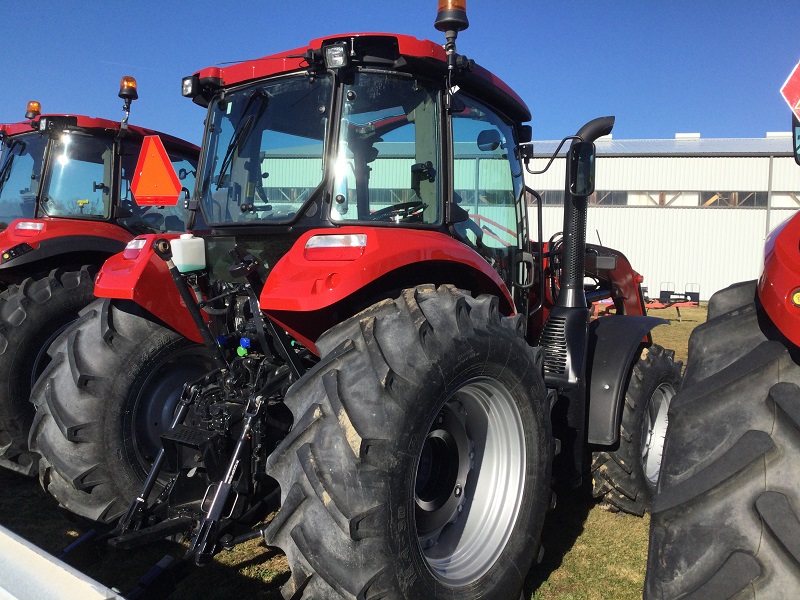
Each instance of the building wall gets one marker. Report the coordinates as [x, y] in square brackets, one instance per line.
[707, 247]
[681, 242]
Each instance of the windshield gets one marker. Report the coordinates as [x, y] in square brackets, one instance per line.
[265, 150]
[20, 173]
[79, 179]
[387, 168]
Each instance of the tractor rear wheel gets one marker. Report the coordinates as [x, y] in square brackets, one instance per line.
[626, 477]
[419, 462]
[726, 520]
[32, 314]
[110, 390]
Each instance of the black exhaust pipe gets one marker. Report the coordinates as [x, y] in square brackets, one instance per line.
[564, 334]
[574, 247]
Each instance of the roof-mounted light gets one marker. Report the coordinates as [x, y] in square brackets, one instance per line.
[33, 110]
[336, 55]
[189, 86]
[127, 89]
[452, 16]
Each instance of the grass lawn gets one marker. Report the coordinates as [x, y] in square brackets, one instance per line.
[589, 553]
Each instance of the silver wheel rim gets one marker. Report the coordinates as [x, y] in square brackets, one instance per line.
[469, 482]
[655, 433]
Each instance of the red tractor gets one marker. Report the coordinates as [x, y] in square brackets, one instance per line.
[726, 520]
[377, 344]
[65, 206]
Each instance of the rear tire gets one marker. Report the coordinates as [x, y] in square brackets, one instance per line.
[108, 393]
[726, 519]
[626, 477]
[419, 463]
[31, 315]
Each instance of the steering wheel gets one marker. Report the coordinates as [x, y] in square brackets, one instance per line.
[403, 210]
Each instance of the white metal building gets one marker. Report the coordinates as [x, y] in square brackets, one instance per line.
[688, 212]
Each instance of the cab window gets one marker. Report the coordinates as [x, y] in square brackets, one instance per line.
[387, 166]
[487, 176]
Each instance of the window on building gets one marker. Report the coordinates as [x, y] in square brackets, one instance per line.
[733, 199]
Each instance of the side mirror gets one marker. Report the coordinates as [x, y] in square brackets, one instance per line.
[581, 168]
[796, 138]
[489, 140]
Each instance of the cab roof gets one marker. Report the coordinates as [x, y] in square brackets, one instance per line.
[394, 51]
[96, 123]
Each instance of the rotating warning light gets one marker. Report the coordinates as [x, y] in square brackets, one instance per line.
[33, 110]
[127, 88]
[452, 16]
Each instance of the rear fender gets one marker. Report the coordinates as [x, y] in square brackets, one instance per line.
[26, 242]
[614, 343]
[143, 277]
[308, 294]
[779, 284]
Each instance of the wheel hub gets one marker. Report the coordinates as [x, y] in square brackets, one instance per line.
[470, 481]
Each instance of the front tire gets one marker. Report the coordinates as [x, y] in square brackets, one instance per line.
[109, 391]
[726, 520]
[626, 477]
[419, 463]
[31, 315]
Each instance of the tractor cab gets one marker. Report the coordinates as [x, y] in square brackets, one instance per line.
[363, 130]
[80, 168]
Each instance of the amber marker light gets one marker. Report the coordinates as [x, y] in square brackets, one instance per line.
[796, 297]
[127, 88]
[33, 110]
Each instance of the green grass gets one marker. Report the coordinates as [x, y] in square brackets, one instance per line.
[590, 553]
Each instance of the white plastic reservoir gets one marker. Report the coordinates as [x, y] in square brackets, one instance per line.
[188, 253]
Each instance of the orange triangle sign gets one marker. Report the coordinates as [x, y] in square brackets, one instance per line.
[154, 181]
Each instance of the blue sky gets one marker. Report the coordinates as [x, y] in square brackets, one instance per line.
[680, 66]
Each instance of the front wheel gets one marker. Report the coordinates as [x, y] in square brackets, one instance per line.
[419, 464]
[108, 393]
[625, 477]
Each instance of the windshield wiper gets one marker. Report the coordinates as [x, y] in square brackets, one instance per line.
[242, 131]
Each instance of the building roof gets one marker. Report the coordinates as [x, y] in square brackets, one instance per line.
[773, 145]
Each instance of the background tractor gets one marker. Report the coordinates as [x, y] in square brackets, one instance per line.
[369, 337]
[65, 206]
[726, 520]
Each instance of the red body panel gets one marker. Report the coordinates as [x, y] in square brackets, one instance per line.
[299, 293]
[54, 228]
[146, 281]
[303, 285]
[780, 279]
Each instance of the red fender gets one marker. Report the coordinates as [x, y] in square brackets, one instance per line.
[141, 276]
[779, 284]
[28, 240]
[309, 291]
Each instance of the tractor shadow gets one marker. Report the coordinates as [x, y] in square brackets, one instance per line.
[562, 527]
[254, 572]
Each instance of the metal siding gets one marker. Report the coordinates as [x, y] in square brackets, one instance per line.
[712, 247]
[674, 174]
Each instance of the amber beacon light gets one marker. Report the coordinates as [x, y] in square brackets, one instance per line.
[452, 16]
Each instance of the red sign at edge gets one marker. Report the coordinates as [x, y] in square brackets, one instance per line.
[791, 91]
